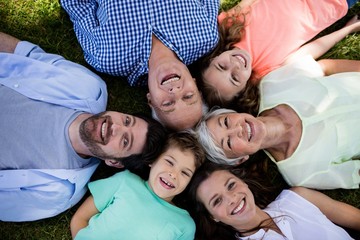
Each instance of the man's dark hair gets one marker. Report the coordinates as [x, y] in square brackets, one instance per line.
[156, 137]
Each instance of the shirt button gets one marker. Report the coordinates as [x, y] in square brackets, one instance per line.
[16, 85]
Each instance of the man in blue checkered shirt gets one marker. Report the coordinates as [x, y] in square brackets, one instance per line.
[150, 42]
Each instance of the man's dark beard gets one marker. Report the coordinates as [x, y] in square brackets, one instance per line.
[87, 127]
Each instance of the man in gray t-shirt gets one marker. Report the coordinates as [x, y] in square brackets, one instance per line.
[53, 129]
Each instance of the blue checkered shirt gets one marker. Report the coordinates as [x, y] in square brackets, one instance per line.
[116, 35]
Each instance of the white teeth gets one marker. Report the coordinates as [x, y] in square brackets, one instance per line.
[241, 59]
[167, 183]
[241, 205]
[248, 131]
[103, 127]
[170, 80]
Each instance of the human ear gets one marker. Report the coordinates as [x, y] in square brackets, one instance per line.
[214, 219]
[243, 159]
[114, 163]
[148, 96]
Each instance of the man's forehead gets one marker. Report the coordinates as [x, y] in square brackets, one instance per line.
[182, 120]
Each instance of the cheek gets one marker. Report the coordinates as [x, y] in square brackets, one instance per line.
[184, 182]
[151, 180]
[219, 214]
[112, 148]
[238, 147]
[227, 91]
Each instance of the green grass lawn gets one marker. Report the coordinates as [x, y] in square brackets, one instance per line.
[44, 22]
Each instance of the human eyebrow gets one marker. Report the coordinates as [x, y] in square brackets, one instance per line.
[212, 199]
[233, 82]
[168, 111]
[131, 141]
[134, 121]
[219, 121]
[227, 181]
[222, 139]
[219, 67]
[173, 109]
[192, 103]
[217, 195]
[131, 137]
[189, 170]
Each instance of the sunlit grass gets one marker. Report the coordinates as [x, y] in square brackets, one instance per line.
[45, 23]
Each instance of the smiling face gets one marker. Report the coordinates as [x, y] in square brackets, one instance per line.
[171, 173]
[229, 73]
[238, 134]
[112, 135]
[228, 200]
[173, 94]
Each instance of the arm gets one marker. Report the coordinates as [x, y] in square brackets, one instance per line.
[338, 212]
[50, 78]
[82, 216]
[332, 66]
[8, 43]
[321, 45]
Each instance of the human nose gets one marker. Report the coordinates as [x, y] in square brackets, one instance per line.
[234, 63]
[236, 130]
[230, 198]
[174, 88]
[172, 175]
[117, 129]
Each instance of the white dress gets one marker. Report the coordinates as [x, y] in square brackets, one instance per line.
[297, 218]
[329, 108]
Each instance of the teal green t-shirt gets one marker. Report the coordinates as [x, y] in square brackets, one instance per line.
[129, 209]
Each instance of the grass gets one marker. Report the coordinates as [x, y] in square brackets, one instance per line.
[45, 23]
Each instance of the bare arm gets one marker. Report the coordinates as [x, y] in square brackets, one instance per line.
[320, 46]
[332, 66]
[8, 43]
[82, 216]
[338, 212]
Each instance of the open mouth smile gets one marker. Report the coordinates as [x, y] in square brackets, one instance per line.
[170, 78]
[105, 130]
[239, 208]
[166, 183]
[242, 59]
[249, 131]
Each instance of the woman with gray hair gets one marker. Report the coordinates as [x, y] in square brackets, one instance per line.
[214, 152]
[313, 139]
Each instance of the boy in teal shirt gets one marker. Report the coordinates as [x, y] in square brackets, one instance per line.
[125, 206]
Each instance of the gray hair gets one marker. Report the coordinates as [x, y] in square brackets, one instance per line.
[154, 115]
[213, 152]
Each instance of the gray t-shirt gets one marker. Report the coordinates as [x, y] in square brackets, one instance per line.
[34, 134]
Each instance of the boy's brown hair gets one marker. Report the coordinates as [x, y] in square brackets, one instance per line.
[186, 141]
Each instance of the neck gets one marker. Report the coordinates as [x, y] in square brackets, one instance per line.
[159, 52]
[74, 135]
[284, 131]
[260, 220]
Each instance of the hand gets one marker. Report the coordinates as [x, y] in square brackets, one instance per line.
[354, 24]
[8, 43]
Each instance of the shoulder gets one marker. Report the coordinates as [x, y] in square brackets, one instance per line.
[287, 198]
[299, 190]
